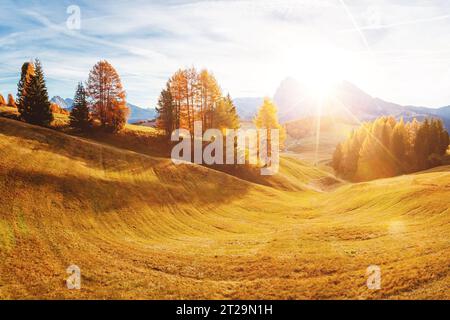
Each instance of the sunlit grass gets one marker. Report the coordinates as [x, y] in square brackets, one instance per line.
[140, 227]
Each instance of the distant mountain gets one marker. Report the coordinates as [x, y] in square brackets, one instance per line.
[247, 107]
[347, 101]
[63, 103]
[140, 114]
[136, 113]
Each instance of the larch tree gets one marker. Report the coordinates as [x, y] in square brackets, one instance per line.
[107, 97]
[79, 115]
[210, 95]
[267, 118]
[26, 76]
[194, 96]
[11, 101]
[35, 105]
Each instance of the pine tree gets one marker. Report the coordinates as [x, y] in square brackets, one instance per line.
[35, 104]
[79, 116]
[166, 111]
[24, 84]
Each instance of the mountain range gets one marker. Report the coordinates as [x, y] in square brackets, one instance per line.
[346, 101]
[136, 113]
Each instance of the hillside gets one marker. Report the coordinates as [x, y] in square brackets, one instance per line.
[140, 227]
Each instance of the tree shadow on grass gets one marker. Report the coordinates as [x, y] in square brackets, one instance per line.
[185, 183]
[103, 195]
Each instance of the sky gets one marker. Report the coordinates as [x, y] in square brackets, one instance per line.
[396, 50]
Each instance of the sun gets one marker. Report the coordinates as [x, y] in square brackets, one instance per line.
[321, 88]
[320, 71]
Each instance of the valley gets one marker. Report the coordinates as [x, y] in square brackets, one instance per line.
[140, 227]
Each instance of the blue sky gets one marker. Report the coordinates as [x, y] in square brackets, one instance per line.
[396, 50]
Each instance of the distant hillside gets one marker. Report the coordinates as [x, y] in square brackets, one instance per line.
[136, 113]
[247, 107]
[346, 101]
[140, 114]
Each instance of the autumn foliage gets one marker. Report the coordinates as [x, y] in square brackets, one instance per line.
[11, 101]
[107, 97]
[267, 118]
[190, 96]
[387, 147]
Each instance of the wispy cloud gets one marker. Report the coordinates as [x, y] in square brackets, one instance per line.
[249, 45]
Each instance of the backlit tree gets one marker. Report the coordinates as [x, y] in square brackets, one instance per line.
[267, 118]
[107, 97]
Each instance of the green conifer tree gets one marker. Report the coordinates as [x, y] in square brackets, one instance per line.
[79, 116]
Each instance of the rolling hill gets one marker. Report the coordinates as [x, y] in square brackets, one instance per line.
[140, 227]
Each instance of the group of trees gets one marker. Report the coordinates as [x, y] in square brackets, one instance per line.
[190, 96]
[32, 96]
[10, 103]
[103, 100]
[387, 147]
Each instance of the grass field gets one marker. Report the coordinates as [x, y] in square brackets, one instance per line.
[139, 227]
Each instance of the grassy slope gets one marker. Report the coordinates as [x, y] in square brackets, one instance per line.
[140, 227]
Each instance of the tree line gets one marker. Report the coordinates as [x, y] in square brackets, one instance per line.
[188, 97]
[387, 147]
[11, 102]
[191, 96]
[99, 103]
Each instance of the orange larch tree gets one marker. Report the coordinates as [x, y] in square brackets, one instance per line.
[107, 97]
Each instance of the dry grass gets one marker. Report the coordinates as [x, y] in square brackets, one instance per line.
[141, 228]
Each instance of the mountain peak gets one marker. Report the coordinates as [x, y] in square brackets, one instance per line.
[63, 103]
[347, 100]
